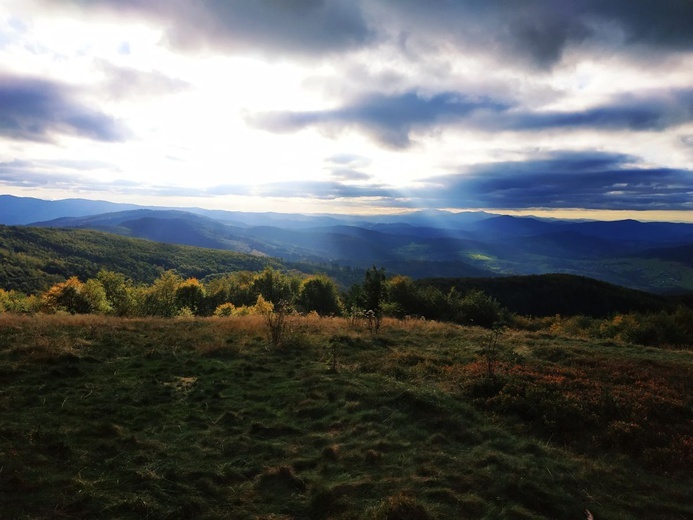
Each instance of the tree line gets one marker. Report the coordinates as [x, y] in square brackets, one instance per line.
[241, 292]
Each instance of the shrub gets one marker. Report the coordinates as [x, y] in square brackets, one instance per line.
[275, 319]
[225, 310]
[476, 308]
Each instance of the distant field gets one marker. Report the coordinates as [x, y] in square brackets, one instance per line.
[197, 418]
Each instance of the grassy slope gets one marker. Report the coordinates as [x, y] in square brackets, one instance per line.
[109, 418]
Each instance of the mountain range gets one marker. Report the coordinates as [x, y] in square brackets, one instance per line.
[651, 256]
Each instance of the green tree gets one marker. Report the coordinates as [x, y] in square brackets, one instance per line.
[18, 302]
[190, 294]
[119, 294]
[476, 308]
[160, 298]
[375, 293]
[273, 286]
[76, 297]
[320, 294]
[375, 289]
[240, 287]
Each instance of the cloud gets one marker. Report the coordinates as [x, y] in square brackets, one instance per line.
[343, 167]
[347, 174]
[644, 111]
[590, 180]
[270, 27]
[535, 32]
[26, 174]
[389, 119]
[125, 82]
[539, 32]
[324, 190]
[33, 109]
[74, 176]
[349, 160]
[665, 24]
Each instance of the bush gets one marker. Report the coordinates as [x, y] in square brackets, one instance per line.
[476, 308]
[275, 319]
[225, 310]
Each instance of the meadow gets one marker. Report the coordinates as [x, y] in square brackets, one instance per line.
[106, 417]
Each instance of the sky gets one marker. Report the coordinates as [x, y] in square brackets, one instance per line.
[573, 109]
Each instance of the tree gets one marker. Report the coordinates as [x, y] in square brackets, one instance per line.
[190, 294]
[160, 298]
[476, 308]
[240, 288]
[273, 286]
[374, 289]
[118, 291]
[76, 297]
[404, 297]
[15, 301]
[320, 294]
[375, 292]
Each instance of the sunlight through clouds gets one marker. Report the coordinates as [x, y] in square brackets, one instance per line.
[176, 102]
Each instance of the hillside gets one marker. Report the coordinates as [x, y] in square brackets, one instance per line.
[426, 244]
[648, 256]
[33, 259]
[346, 245]
[128, 419]
[547, 295]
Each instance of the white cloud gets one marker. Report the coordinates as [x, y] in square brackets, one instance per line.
[370, 93]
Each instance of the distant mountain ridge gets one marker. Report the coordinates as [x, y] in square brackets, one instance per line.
[25, 210]
[651, 256]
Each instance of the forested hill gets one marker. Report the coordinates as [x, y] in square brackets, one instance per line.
[33, 259]
[551, 294]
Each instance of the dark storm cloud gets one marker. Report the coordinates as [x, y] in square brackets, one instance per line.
[391, 119]
[538, 32]
[590, 180]
[33, 109]
[534, 32]
[388, 119]
[644, 111]
[665, 23]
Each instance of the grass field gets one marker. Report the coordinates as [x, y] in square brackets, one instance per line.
[196, 418]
